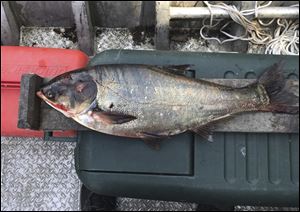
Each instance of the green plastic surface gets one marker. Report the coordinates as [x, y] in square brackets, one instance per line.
[237, 168]
[143, 160]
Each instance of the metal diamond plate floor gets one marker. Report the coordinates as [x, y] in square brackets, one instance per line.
[38, 175]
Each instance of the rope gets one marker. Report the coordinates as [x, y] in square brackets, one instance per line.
[285, 39]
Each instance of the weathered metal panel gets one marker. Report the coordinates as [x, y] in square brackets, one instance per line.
[116, 13]
[9, 28]
[43, 13]
[84, 28]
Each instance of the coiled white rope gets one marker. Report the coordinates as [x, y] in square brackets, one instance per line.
[285, 39]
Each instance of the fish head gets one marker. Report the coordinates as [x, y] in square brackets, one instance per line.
[70, 94]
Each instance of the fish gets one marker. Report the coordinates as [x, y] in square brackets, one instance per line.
[155, 102]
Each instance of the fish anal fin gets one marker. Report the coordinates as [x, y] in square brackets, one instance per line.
[111, 117]
[205, 131]
[152, 140]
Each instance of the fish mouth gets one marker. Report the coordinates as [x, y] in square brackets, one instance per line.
[56, 106]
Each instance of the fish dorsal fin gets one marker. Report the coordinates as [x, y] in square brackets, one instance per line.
[111, 117]
[177, 69]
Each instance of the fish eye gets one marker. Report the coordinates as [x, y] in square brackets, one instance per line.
[50, 94]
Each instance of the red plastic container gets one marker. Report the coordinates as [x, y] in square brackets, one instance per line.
[17, 60]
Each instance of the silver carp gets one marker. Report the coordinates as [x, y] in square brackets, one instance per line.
[151, 102]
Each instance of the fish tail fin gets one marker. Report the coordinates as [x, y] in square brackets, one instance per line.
[280, 98]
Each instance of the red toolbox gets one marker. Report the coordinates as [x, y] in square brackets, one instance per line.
[17, 60]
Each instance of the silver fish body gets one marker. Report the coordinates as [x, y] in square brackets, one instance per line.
[149, 101]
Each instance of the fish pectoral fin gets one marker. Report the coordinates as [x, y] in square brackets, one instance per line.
[112, 117]
[152, 140]
[184, 67]
[205, 131]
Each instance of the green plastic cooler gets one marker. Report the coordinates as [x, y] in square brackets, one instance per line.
[238, 168]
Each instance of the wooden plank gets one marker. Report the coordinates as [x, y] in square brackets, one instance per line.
[54, 120]
[84, 28]
[255, 122]
[29, 103]
[259, 122]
